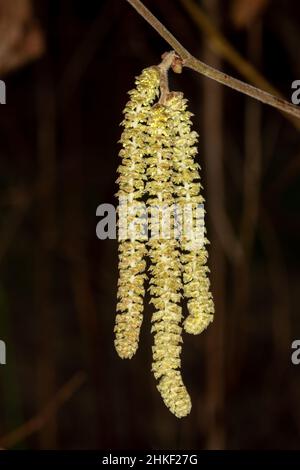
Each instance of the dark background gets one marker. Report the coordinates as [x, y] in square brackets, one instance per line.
[59, 135]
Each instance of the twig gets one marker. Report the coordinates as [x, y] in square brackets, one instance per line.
[38, 421]
[191, 62]
[164, 67]
[225, 49]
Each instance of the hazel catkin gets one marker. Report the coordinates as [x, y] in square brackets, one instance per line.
[158, 168]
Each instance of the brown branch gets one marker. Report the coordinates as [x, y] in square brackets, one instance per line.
[220, 44]
[37, 422]
[198, 66]
[169, 60]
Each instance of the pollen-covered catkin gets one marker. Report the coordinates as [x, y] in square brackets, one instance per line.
[158, 167]
[165, 279]
[131, 180]
[188, 195]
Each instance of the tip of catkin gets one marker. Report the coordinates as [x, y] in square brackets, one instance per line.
[127, 331]
[174, 394]
[195, 325]
[124, 352]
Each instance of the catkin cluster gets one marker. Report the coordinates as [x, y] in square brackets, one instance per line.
[158, 170]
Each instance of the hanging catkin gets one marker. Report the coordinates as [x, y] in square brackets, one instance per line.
[165, 270]
[188, 195]
[158, 167]
[131, 182]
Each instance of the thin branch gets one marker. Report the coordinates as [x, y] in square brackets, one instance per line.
[225, 49]
[163, 67]
[191, 62]
[38, 422]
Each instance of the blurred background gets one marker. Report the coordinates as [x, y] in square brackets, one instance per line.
[68, 66]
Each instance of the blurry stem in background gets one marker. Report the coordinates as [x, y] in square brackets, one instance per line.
[250, 208]
[38, 422]
[20, 199]
[73, 73]
[253, 149]
[225, 50]
[46, 227]
[13, 223]
[74, 246]
[214, 404]
[195, 64]
[281, 319]
[11, 391]
[84, 54]
[73, 239]
[285, 177]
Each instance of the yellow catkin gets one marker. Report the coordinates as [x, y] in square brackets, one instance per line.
[131, 180]
[188, 192]
[158, 163]
[165, 282]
